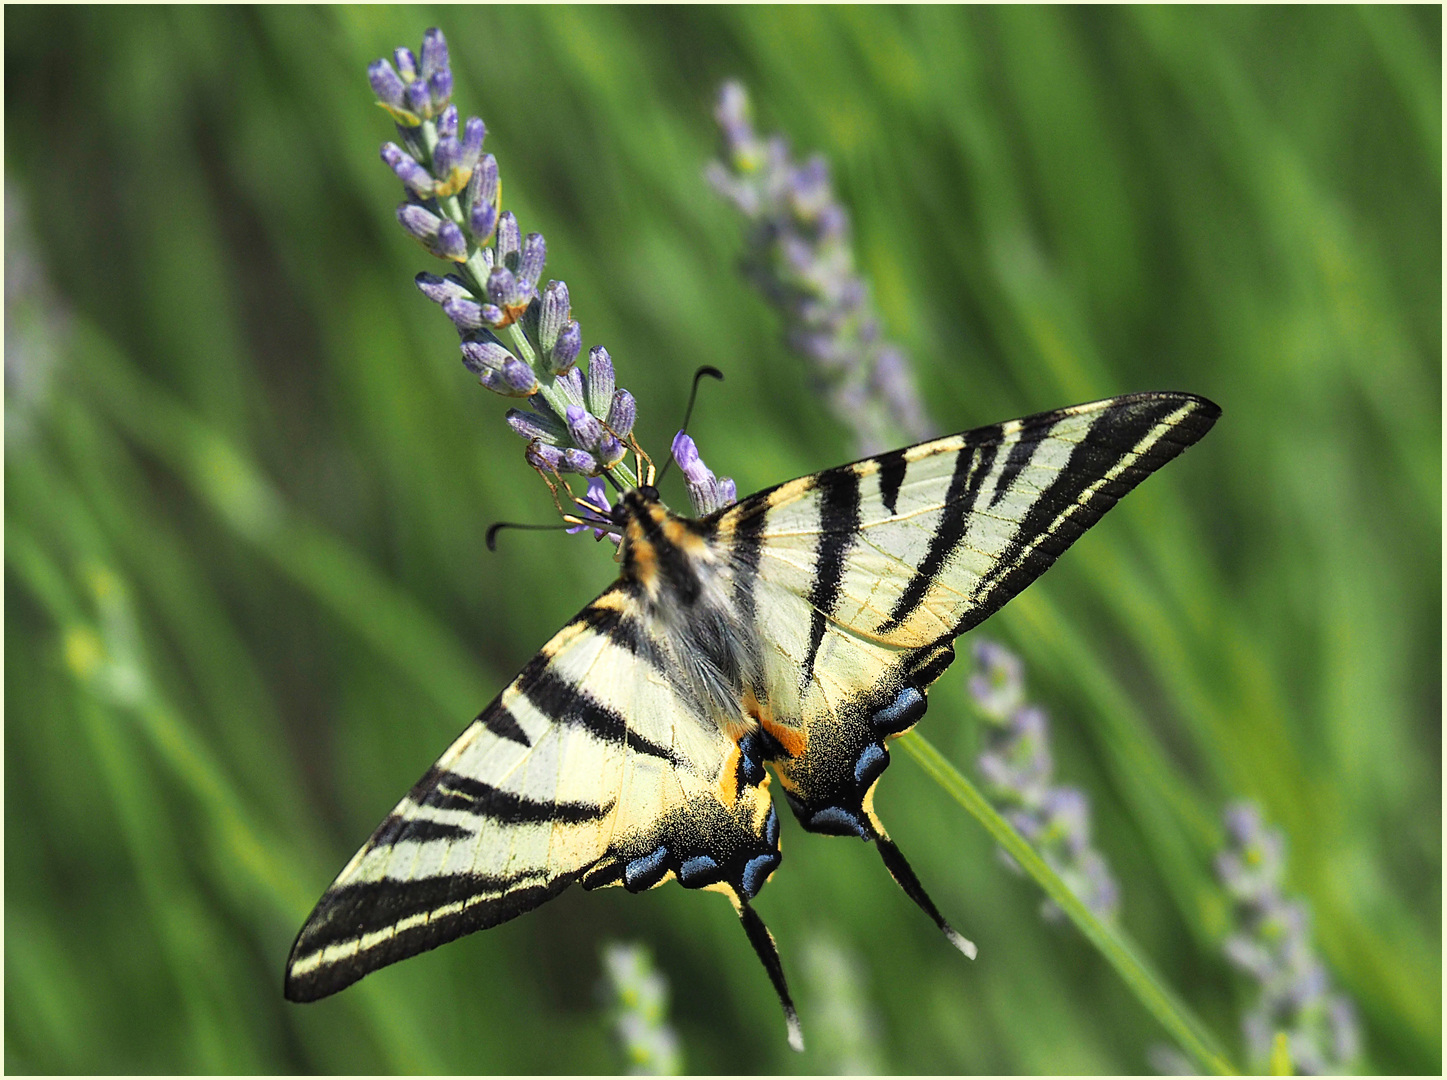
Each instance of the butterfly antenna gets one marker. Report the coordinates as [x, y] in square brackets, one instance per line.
[900, 870]
[497, 527]
[712, 373]
[768, 954]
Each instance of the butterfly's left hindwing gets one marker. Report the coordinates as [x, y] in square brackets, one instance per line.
[590, 767]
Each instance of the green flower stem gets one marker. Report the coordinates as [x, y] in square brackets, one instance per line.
[524, 349]
[1154, 994]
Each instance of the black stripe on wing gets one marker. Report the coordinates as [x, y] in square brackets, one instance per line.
[439, 910]
[1043, 534]
[892, 467]
[964, 488]
[565, 702]
[838, 527]
[503, 724]
[624, 630]
[443, 790]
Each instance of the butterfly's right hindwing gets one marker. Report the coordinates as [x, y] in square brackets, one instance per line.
[589, 767]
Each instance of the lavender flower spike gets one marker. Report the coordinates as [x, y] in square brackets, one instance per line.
[518, 343]
[1018, 767]
[799, 256]
[1272, 946]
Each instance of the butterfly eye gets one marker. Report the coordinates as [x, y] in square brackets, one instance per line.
[649, 492]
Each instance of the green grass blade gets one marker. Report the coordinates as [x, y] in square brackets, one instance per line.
[1158, 998]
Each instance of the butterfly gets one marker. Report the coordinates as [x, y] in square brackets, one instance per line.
[794, 632]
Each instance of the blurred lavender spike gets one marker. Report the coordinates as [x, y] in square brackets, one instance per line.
[1018, 769]
[799, 255]
[1271, 944]
[636, 998]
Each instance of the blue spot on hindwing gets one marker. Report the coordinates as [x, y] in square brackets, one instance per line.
[771, 828]
[906, 709]
[646, 872]
[756, 872]
[699, 870]
[751, 768]
[837, 821]
[870, 764]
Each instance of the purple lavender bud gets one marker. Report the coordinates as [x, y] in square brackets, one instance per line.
[434, 52]
[406, 63]
[584, 427]
[481, 219]
[732, 114]
[446, 157]
[728, 491]
[703, 490]
[571, 385]
[519, 377]
[473, 132]
[509, 240]
[809, 188]
[419, 98]
[421, 224]
[622, 413]
[447, 122]
[494, 315]
[442, 289]
[552, 314]
[440, 88]
[465, 313]
[481, 357]
[532, 425]
[568, 346]
[530, 265]
[610, 451]
[451, 244]
[1243, 823]
[600, 381]
[1068, 812]
[417, 179]
[580, 461]
[386, 84]
[548, 459]
[483, 188]
[501, 286]
[685, 452]
[998, 688]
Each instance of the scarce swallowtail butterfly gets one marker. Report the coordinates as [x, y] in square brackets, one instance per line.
[794, 632]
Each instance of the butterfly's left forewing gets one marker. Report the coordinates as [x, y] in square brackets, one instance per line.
[592, 767]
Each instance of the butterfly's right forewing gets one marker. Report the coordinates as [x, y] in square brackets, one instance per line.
[862, 576]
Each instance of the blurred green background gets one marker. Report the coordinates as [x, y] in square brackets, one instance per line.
[247, 479]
